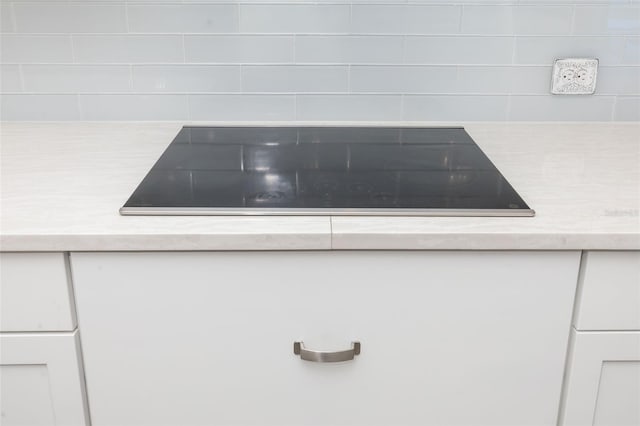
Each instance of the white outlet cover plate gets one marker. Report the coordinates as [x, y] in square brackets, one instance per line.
[574, 76]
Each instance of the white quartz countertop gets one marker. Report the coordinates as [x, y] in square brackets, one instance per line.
[63, 183]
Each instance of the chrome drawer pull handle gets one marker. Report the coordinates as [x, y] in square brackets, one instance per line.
[319, 356]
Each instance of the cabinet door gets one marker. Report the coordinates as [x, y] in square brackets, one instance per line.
[447, 338]
[35, 293]
[603, 381]
[41, 380]
[610, 293]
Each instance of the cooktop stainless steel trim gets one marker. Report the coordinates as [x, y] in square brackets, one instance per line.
[251, 211]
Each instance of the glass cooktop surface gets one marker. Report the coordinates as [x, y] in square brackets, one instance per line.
[325, 170]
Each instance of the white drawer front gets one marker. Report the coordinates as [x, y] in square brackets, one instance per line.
[603, 380]
[42, 380]
[207, 338]
[610, 295]
[35, 293]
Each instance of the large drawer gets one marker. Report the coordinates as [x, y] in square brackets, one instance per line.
[35, 293]
[447, 338]
[610, 291]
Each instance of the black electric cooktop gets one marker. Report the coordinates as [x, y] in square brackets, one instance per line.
[325, 171]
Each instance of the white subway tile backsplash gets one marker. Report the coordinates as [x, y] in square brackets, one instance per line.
[242, 107]
[454, 108]
[76, 78]
[132, 49]
[618, 81]
[185, 18]
[543, 50]
[627, 108]
[607, 20]
[239, 49]
[39, 107]
[294, 18]
[6, 19]
[503, 80]
[349, 49]
[407, 79]
[561, 108]
[294, 78]
[483, 19]
[405, 19]
[631, 51]
[186, 78]
[531, 80]
[61, 17]
[10, 80]
[27, 49]
[458, 50]
[349, 107]
[134, 107]
[314, 59]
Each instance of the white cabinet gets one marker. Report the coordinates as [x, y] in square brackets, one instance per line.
[602, 386]
[35, 292]
[41, 376]
[447, 338]
[610, 291]
[603, 382]
[41, 380]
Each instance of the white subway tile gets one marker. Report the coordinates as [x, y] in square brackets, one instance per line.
[24, 107]
[469, 1]
[58, 17]
[459, 50]
[507, 19]
[35, 48]
[349, 107]
[618, 81]
[531, 80]
[607, 20]
[294, 78]
[575, 2]
[503, 80]
[561, 108]
[631, 51]
[238, 49]
[294, 18]
[483, 80]
[403, 79]
[127, 48]
[450, 79]
[349, 49]
[134, 107]
[10, 80]
[454, 108]
[242, 107]
[544, 50]
[76, 78]
[6, 20]
[186, 78]
[185, 18]
[405, 19]
[627, 108]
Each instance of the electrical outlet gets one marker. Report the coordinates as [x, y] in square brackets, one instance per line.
[574, 76]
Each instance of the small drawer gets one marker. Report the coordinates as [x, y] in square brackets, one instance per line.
[610, 295]
[35, 293]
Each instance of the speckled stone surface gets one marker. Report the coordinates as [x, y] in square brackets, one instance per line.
[63, 183]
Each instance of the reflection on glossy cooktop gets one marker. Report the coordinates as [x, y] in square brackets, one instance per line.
[325, 170]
